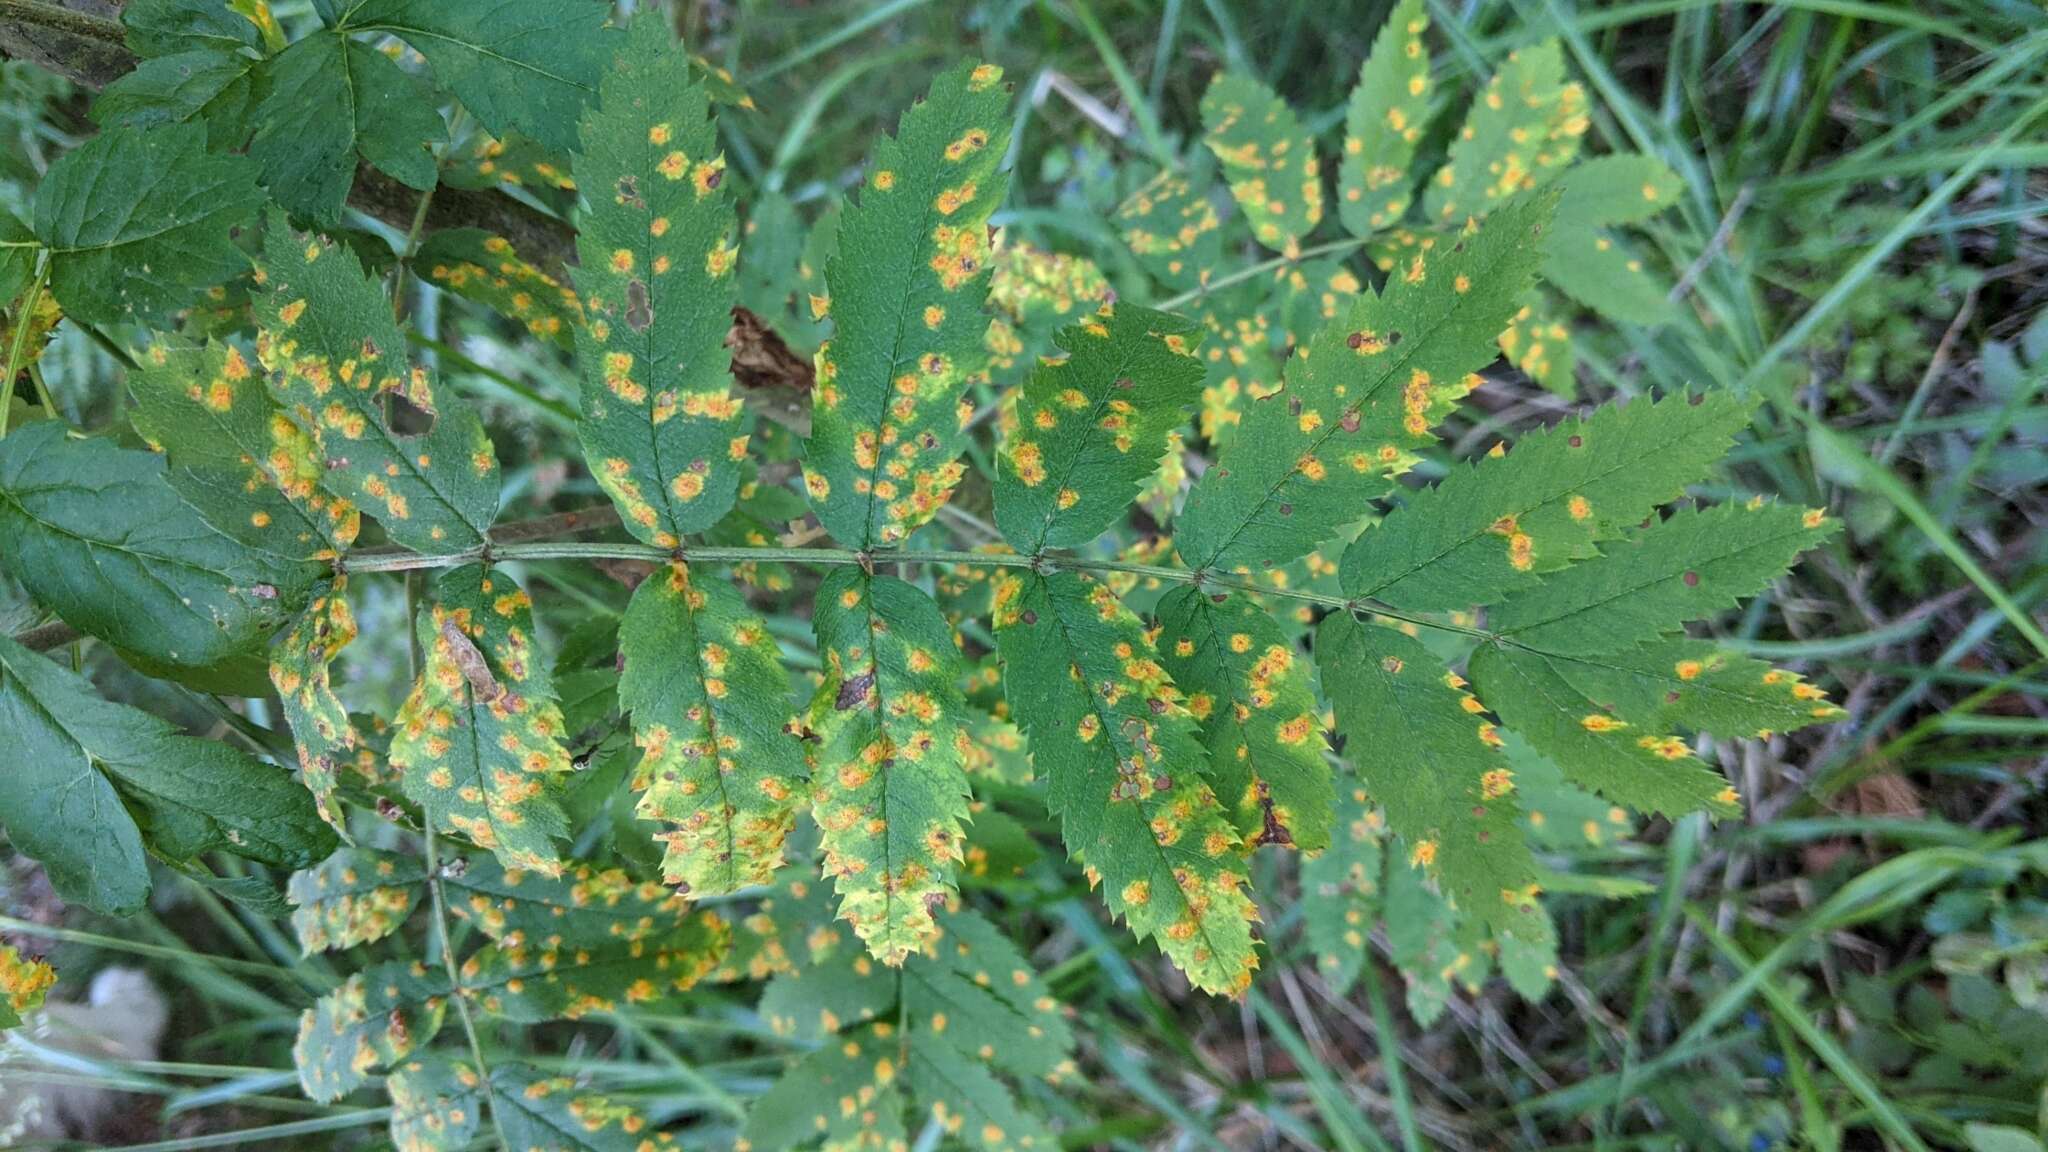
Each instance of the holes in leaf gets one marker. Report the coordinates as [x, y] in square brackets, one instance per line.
[404, 417]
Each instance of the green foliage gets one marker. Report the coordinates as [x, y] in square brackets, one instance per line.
[1384, 123]
[1360, 399]
[413, 457]
[721, 768]
[1091, 426]
[90, 784]
[1086, 635]
[1126, 772]
[890, 794]
[479, 741]
[124, 249]
[95, 532]
[1267, 157]
[657, 250]
[907, 286]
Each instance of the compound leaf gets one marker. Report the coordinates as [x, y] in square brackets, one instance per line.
[1629, 758]
[1249, 693]
[1091, 425]
[520, 65]
[1431, 761]
[139, 222]
[1492, 527]
[890, 794]
[97, 534]
[331, 99]
[720, 768]
[1268, 158]
[1694, 564]
[660, 428]
[479, 740]
[1360, 398]
[82, 773]
[378, 1017]
[417, 460]
[1125, 767]
[908, 284]
[1384, 123]
[356, 896]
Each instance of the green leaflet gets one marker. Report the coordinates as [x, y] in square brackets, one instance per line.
[491, 161]
[437, 1104]
[529, 977]
[552, 1113]
[356, 896]
[235, 457]
[378, 1017]
[519, 65]
[1624, 188]
[1091, 426]
[1040, 291]
[138, 223]
[1388, 106]
[721, 769]
[584, 907]
[218, 89]
[1360, 398]
[1268, 158]
[1522, 129]
[417, 460]
[81, 773]
[1585, 261]
[908, 283]
[1125, 768]
[332, 98]
[844, 1093]
[1424, 752]
[480, 738]
[659, 427]
[1172, 227]
[1691, 684]
[1492, 527]
[301, 664]
[97, 534]
[1248, 690]
[1538, 343]
[1426, 941]
[890, 787]
[1340, 889]
[1694, 564]
[962, 1010]
[487, 269]
[160, 27]
[1601, 273]
[1627, 758]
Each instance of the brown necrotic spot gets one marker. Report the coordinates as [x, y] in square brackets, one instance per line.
[639, 312]
[1692, 579]
[856, 691]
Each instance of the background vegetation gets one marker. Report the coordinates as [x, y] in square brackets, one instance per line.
[1863, 959]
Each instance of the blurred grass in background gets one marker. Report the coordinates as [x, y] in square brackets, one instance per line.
[1861, 238]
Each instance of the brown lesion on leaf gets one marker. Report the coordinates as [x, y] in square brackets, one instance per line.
[469, 659]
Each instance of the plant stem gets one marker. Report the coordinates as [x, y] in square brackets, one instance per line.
[64, 20]
[386, 561]
[17, 347]
[458, 993]
[1259, 269]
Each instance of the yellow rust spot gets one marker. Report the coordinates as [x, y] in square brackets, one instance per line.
[1601, 722]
